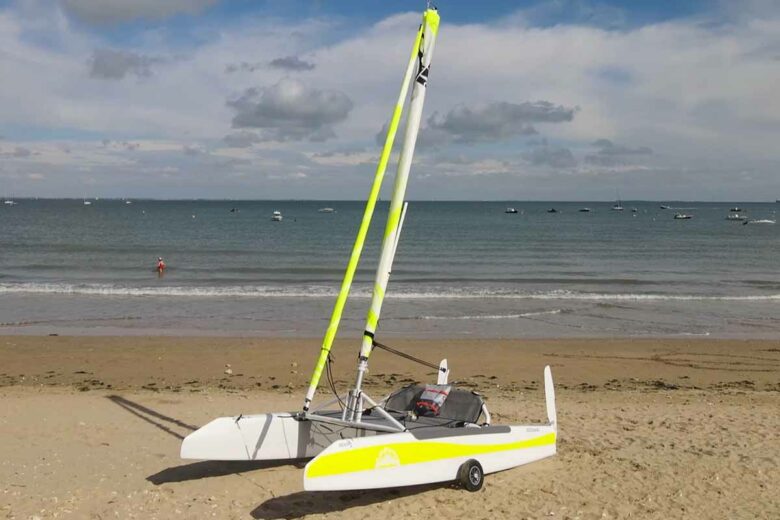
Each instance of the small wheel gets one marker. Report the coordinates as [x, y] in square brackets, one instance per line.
[471, 476]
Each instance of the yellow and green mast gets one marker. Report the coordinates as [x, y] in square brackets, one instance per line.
[430, 28]
[357, 248]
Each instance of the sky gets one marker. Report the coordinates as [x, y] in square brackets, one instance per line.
[288, 99]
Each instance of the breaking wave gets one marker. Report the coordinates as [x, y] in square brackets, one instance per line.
[495, 316]
[320, 291]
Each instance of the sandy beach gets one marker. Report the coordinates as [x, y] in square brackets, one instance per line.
[650, 428]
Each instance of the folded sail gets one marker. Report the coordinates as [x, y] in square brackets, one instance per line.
[430, 29]
[394, 220]
[357, 248]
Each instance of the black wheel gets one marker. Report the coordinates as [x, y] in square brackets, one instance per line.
[471, 476]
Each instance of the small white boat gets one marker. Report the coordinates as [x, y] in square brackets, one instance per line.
[10, 202]
[634, 210]
[276, 217]
[735, 209]
[510, 210]
[87, 203]
[585, 210]
[418, 434]
[617, 207]
[326, 210]
[128, 202]
[682, 216]
[760, 221]
[735, 216]
[666, 207]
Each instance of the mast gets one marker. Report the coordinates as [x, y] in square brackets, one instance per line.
[357, 248]
[430, 27]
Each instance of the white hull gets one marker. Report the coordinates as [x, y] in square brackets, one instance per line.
[400, 459]
[347, 457]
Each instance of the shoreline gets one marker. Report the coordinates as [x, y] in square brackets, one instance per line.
[168, 362]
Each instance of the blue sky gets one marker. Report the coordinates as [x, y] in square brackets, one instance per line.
[562, 99]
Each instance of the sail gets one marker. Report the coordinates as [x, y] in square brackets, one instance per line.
[357, 248]
[397, 206]
[430, 25]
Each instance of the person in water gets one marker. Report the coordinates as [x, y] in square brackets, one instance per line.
[160, 265]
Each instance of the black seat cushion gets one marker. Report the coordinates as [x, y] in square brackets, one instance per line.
[460, 405]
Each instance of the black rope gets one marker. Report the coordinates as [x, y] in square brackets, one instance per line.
[405, 355]
[329, 376]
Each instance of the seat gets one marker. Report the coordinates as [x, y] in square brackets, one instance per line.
[460, 405]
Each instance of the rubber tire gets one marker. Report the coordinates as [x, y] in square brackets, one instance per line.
[471, 476]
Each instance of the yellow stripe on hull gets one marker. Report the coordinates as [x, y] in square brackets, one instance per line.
[406, 453]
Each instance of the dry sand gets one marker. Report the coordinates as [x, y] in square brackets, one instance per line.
[91, 427]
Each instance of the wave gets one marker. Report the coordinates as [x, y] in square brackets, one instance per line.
[494, 316]
[321, 291]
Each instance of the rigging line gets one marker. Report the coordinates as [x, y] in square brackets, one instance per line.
[329, 376]
[405, 355]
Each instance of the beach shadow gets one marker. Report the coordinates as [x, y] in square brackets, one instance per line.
[214, 468]
[153, 417]
[303, 503]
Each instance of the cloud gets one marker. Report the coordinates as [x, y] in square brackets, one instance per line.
[290, 111]
[291, 63]
[607, 147]
[243, 66]
[556, 157]
[610, 154]
[242, 139]
[712, 109]
[119, 145]
[116, 64]
[109, 12]
[498, 120]
[193, 150]
[19, 152]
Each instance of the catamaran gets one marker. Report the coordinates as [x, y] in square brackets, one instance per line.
[419, 434]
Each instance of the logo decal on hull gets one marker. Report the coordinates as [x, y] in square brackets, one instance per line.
[387, 458]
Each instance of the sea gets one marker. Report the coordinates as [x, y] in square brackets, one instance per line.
[462, 269]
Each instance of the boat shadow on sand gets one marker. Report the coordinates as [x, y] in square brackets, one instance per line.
[195, 470]
[294, 505]
[213, 468]
[303, 503]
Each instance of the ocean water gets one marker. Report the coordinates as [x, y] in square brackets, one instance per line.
[462, 269]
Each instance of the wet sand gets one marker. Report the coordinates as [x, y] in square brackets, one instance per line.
[651, 428]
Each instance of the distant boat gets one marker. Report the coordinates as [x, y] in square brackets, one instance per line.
[87, 203]
[128, 202]
[276, 217]
[552, 210]
[760, 221]
[735, 216]
[666, 207]
[326, 210]
[634, 210]
[736, 208]
[682, 216]
[618, 206]
[584, 210]
[510, 210]
[10, 202]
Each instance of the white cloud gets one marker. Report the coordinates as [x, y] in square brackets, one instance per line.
[103, 12]
[700, 93]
